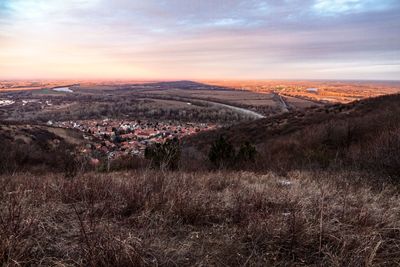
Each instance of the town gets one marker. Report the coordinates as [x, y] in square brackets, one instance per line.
[116, 138]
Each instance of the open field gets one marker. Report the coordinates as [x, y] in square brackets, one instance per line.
[326, 91]
[300, 103]
[234, 97]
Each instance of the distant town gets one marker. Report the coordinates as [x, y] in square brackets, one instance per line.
[116, 138]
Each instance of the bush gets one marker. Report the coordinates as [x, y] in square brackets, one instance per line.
[382, 154]
[164, 156]
[222, 153]
[246, 154]
[127, 162]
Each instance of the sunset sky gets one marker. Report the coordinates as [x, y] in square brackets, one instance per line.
[200, 39]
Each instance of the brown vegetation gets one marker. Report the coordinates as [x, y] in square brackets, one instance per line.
[224, 219]
[37, 149]
[362, 135]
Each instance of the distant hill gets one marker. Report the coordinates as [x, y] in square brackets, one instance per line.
[185, 85]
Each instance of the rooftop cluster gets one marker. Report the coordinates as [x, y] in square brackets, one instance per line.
[122, 137]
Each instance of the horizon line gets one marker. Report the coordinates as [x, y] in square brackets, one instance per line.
[194, 80]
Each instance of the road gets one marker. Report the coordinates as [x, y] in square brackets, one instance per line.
[243, 111]
[247, 112]
[284, 106]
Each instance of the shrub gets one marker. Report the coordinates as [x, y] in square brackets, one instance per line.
[246, 153]
[382, 154]
[164, 156]
[222, 153]
[127, 162]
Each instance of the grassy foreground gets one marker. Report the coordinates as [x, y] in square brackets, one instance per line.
[186, 219]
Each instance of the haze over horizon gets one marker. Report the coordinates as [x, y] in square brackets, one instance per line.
[177, 39]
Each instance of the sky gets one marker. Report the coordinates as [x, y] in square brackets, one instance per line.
[200, 39]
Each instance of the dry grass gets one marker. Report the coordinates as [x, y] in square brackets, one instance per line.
[154, 218]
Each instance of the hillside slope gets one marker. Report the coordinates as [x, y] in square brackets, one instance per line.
[32, 146]
[364, 134]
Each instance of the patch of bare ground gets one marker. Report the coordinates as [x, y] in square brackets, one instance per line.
[151, 218]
